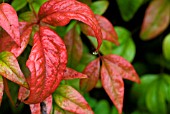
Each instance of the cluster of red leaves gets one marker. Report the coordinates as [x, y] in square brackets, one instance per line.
[48, 58]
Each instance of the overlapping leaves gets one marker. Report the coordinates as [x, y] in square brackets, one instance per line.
[113, 70]
[47, 62]
[59, 13]
[48, 57]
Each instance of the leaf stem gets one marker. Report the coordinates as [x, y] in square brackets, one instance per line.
[35, 14]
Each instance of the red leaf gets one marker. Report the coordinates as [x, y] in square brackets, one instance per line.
[72, 74]
[123, 67]
[10, 45]
[9, 22]
[71, 100]
[108, 32]
[45, 108]
[1, 89]
[74, 47]
[60, 12]
[114, 68]
[156, 20]
[92, 71]
[47, 63]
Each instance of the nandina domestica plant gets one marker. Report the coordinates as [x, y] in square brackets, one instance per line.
[48, 61]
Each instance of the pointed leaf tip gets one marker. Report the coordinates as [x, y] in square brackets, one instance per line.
[47, 63]
[114, 69]
[60, 12]
[92, 71]
[71, 100]
[72, 74]
[9, 68]
[107, 29]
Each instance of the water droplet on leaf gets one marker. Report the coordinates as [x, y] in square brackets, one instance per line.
[95, 53]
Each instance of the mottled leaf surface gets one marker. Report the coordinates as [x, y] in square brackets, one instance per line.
[9, 68]
[108, 32]
[71, 100]
[123, 67]
[47, 62]
[9, 22]
[114, 68]
[156, 19]
[72, 74]
[35, 108]
[1, 89]
[60, 12]
[92, 71]
[74, 47]
[43, 107]
[10, 45]
[113, 84]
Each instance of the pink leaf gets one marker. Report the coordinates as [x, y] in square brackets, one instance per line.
[72, 74]
[47, 63]
[35, 108]
[10, 45]
[9, 22]
[60, 12]
[92, 71]
[71, 100]
[108, 32]
[45, 108]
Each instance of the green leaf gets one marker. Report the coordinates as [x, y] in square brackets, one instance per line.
[9, 68]
[18, 4]
[99, 7]
[166, 47]
[128, 8]
[126, 49]
[102, 107]
[92, 102]
[154, 98]
[27, 16]
[88, 2]
[166, 86]
[139, 90]
[13, 88]
[153, 91]
[36, 4]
